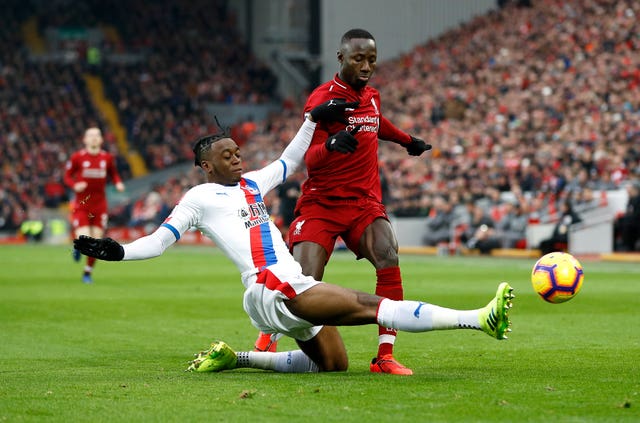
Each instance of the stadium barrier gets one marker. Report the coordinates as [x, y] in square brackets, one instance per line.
[11, 237]
[594, 235]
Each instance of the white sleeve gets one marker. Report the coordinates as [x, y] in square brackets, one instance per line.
[293, 155]
[149, 246]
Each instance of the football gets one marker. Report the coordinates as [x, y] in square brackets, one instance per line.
[557, 277]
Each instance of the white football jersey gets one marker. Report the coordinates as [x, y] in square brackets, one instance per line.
[236, 219]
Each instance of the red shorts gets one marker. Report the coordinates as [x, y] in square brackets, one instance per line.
[83, 217]
[322, 223]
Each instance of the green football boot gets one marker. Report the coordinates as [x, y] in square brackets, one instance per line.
[494, 317]
[216, 359]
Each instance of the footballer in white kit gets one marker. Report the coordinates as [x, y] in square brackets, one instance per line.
[236, 219]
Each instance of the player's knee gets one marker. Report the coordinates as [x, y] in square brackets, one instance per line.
[387, 257]
[314, 269]
[336, 363]
[84, 230]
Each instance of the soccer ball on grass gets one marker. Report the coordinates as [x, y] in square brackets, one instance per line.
[557, 277]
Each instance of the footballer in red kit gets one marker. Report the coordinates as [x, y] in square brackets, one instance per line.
[87, 173]
[342, 196]
[333, 175]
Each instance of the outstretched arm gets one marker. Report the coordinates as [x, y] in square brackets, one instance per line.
[293, 155]
[151, 245]
[108, 249]
[389, 132]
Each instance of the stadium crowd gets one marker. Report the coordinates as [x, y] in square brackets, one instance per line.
[44, 109]
[540, 103]
[527, 108]
[194, 57]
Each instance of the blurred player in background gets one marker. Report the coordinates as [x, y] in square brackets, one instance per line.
[86, 173]
[342, 195]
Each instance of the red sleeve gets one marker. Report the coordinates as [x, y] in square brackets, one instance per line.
[113, 170]
[317, 153]
[389, 132]
[70, 172]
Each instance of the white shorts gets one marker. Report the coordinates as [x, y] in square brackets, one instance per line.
[264, 302]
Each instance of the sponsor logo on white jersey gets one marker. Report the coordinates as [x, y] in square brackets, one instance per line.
[243, 214]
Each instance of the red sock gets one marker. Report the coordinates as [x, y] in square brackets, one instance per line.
[91, 261]
[389, 285]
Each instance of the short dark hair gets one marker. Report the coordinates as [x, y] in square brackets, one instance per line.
[203, 145]
[356, 33]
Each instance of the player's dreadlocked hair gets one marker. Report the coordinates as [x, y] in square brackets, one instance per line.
[203, 144]
[356, 33]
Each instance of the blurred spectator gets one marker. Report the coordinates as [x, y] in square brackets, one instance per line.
[461, 212]
[12, 212]
[55, 193]
[627, 226]
[481, 233]
[512, 228]
[584, 200]
[149, 211]
[439, 224]
[412, 207]
[560, 237]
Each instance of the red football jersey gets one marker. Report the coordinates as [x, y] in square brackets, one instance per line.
[95, 170]
[333, 174]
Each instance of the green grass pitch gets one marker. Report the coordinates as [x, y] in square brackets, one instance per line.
[116, 351]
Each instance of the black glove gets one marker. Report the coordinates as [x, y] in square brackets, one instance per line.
[332, 110]
[103, 249]
[416, 147]
[343, 141]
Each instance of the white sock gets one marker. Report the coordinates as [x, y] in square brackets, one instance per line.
[415, 316]
[284, 362]
[386, 339]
